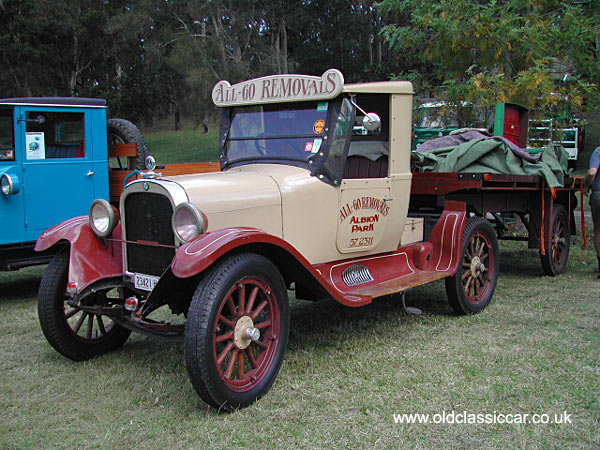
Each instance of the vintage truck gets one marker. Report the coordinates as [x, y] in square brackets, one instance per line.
[303, 202]
[54, 161]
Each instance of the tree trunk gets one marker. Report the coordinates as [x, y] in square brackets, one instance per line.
[284, 45]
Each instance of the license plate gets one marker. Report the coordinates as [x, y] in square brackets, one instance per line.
[145, 282]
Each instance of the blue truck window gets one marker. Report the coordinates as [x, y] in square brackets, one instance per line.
[7, 137]
[55, 135]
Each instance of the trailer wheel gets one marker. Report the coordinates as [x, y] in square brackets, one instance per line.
[558, 243]
[121, 131]
[471, 289]
[237, 331]
[74, 333]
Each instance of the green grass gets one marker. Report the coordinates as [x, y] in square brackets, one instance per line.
[535, 349]
[183, 146]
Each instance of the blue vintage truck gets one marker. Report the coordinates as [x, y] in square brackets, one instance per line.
[54, 161]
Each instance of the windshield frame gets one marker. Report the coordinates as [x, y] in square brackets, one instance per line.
[315, 163]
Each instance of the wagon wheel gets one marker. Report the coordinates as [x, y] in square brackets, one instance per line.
[236, 331]
[74, 333]
[471, 289]
[558, 243]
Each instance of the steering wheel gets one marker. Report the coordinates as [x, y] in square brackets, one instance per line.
[262, 149]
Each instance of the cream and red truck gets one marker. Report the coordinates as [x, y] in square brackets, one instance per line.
[314, 196]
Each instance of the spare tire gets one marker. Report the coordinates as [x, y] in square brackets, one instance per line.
[121, 131]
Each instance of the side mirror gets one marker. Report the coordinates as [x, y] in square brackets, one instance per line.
[372, 121]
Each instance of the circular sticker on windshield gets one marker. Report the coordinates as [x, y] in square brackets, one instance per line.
[319, 126]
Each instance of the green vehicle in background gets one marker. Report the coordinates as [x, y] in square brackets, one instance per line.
[436, 118]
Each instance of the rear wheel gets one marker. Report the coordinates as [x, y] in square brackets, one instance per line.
[471, 289]
[236, 331]
[121, 131]
[74, 333]
[558, 243]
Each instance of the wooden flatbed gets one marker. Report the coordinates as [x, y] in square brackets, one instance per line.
[548, 214]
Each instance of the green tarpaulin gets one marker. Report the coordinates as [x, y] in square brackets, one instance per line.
[493, 156]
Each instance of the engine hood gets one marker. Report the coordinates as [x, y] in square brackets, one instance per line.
[233, 190]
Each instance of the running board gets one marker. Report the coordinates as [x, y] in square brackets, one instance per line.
[399, 284]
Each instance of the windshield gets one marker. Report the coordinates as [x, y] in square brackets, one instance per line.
[291, 131]
[440, 117]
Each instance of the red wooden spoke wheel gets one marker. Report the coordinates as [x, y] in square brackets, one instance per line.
[558, 243]
[245, 334]
[236, 331]
[471, 289]
[74, 333]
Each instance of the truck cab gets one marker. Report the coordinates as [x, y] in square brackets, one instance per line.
[50, 153]
[313, 196]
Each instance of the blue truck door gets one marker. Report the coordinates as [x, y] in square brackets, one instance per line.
[58, 166]
[11, 206]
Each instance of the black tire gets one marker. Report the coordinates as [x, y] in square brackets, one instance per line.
[226, 375]
[471, 289]
[558, 243]
[121, 131]
[62, 327]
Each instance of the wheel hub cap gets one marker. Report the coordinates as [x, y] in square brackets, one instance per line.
[476, 266]
[245, 332]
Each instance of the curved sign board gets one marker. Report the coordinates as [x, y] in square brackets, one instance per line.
[279, 88]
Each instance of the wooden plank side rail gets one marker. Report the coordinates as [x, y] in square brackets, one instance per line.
[117, 177]
[122, 150]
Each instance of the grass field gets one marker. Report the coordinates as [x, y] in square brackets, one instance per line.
[183, 146]
[347, 371]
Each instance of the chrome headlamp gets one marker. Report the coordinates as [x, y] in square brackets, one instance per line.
[103, 217]
[188, 222]
[9, 184]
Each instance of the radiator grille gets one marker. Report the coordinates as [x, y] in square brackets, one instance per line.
[148, 218]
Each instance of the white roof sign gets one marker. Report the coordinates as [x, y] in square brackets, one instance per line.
[279, 88]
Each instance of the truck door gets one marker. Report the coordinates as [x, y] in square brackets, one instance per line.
[11, 206]
[366, 194]
[58, 169]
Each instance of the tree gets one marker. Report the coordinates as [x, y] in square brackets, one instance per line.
[504, 50]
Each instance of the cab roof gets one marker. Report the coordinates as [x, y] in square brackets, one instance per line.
[380, 87]
[55, 101]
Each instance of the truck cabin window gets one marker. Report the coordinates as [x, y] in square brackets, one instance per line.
[7, 138]
[290, 131]
[369, 150]
[55, 135]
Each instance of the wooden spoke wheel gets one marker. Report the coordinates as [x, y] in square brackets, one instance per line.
[236, 331]
[75, 333]
[558, 243]
[471, 289]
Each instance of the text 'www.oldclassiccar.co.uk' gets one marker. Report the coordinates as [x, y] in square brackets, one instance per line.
[464, 417]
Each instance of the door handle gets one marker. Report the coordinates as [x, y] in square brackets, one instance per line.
[387, 199]
[90, 173]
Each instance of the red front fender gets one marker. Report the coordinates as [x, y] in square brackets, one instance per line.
[91, 258]
[195, 256]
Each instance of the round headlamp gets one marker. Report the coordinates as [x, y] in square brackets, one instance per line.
[103, 217]
[188, 222]
[9, 184]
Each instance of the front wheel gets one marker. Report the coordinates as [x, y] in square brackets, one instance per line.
[74, 333]
[558, 243]
[237, 331]
[472, 287]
